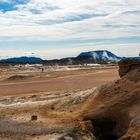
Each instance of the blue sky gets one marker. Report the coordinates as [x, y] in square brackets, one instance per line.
[59, 28]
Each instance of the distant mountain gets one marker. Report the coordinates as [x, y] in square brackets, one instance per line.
[23, 59]
[100, 56]
[91, 57]
[138, 58]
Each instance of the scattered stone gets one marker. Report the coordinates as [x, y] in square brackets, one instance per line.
[19, 77]
[34, 117]
[33, 96]
[52, 108]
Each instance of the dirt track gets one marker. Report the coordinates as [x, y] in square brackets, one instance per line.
[68, 80]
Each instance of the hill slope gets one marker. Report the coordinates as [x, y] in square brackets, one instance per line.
[100, 56]
[23, 59]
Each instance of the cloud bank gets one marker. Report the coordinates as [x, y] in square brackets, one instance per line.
[69, 21]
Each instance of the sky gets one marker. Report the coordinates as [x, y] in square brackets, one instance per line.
[62, 28]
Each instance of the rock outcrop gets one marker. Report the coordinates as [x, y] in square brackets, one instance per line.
[115, 108]
[128, 64]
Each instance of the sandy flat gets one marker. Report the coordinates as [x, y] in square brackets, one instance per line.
[57, 81]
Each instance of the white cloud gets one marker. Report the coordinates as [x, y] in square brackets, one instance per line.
[56, 20]
[6, 1]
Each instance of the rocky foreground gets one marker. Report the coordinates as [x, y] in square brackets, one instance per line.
[114, 111]
[111, 112]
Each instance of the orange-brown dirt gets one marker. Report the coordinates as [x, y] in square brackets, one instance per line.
[110, 112]
[115, 108]
[29, 83]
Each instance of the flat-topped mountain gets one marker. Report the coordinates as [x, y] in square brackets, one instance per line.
[91, 57]
[101, 55]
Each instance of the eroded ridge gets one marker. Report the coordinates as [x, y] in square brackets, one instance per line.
[115, 109]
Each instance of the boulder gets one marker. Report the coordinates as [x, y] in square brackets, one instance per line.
[34, 117]
[128, 64]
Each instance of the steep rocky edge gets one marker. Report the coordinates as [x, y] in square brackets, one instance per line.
[114, 111]
[126, 65]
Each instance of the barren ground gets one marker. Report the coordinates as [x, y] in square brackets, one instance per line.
[51, 96]
[36, 82]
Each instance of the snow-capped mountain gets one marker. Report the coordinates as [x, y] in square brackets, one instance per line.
[91, 57]
[100, 55]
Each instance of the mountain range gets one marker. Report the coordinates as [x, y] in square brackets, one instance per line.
[99, 56]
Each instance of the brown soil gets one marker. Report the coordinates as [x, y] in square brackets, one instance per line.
[56, 81]
[67, 109]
